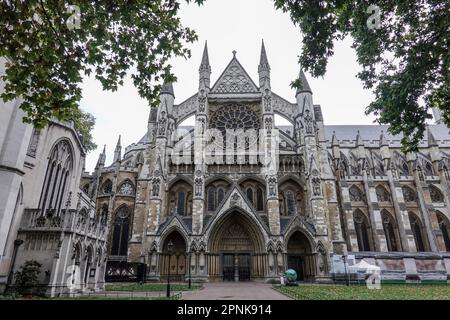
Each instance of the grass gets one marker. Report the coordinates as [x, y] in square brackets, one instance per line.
[91, 298]
[361, 292]
[116, 298]
[150, 287]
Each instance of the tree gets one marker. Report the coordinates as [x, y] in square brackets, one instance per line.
[51, 45]
[27, 277]
[401, 45]
[84, 122]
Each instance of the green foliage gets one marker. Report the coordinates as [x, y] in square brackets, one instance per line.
[84, 123]
[27, 277]
[48, 53]
[405, 61]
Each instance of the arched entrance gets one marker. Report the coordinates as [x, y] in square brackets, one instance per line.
[300, 256]
[236, 250]
[176, 260]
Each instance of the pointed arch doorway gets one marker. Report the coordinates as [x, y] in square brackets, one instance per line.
[236, 250]
[176, 260]
[300, 256]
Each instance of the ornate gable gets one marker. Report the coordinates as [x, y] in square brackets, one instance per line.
[234, 80]
[235, 199]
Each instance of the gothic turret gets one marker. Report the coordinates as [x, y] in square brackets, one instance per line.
[360, 147]
[118, 151]
[168, 89]
[383, 141]
[304, 85]
[434, 147]
[165, 110]
[431, 140]
[437, 115]
[335, 146]
[101, 158]
[336, 151]
[167, 98]
[304, 96]
[384, 147]
[151, 126]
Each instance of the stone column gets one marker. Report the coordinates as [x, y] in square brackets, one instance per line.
[427, 208]
[198, 202]
[375, 214]
[352, 241]
[401, 214]
[269, 140]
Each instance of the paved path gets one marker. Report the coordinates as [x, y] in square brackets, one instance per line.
[235, 291]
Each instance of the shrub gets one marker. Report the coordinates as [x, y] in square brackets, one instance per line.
[27, 282]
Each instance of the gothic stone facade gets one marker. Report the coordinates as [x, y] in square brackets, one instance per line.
[338, 190]
[44, 216]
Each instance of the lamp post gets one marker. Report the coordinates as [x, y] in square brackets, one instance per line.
[169, 250]
[344, 257]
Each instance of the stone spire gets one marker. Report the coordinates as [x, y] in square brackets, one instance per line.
[118, 151]
[304, 83]
[167, 99]
[334, 140]
[264, 67]
[431, 140]
[437, 115]
[359, 140]
[335, 148]
[384, 148]
[153, 115]
[435, 154]
[101, 158]
[205, 57]
[151, 125]
[167, 89]
[263, 61]
[205, 68]
[360, 146]
[383, 141]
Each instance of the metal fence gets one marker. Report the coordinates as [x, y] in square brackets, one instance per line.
[15, 292]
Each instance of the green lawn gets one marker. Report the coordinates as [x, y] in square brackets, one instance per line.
[88, 298]
[361, 292]
[150, 287]
[116, 298]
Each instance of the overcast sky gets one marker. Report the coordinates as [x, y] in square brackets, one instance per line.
[230, 25]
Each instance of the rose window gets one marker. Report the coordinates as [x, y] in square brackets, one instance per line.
[126, 189]
[232, 117]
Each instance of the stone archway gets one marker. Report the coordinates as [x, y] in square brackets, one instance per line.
[300, 256]
[176, 260]
[236, 250]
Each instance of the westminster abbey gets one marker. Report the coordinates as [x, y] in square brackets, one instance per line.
[336, 195]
